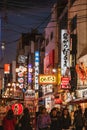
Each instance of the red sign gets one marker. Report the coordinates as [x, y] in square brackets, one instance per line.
[48, 61]
[65, 82]
[7, 68]
[17, 108]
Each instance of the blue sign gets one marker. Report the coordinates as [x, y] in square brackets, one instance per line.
[37, 56]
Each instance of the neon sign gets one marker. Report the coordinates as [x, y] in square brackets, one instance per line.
[47, 79]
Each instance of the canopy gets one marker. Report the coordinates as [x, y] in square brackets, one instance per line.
[78, 101]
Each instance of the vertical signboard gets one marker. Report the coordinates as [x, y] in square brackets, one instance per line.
[65, 53]
[37, 69]
[6, 68]
[29, 73]
[65, 60]
[14, 70]
[20, 76]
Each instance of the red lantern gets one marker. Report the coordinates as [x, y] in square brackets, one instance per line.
[17, 108]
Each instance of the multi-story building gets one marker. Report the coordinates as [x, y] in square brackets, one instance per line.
[52, 60]
[77, 26]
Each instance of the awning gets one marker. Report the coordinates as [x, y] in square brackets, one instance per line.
[78, 101]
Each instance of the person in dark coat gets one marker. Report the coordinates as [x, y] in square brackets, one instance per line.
[55, 120]
[25, 120]
[85, 117]
[79, 120]
[65, 119]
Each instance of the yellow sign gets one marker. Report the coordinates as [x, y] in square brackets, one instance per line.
[47, 79]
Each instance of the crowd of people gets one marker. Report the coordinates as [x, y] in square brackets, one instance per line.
[62, 119]
[55, 120]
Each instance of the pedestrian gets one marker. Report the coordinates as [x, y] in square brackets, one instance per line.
[1, 119]
[85, 116]
[24, 122]
[43, 120]
[79, 120]
[9, 121]
[55, 120]
[65, 119]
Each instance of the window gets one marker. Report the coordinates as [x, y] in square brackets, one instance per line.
[51, 36]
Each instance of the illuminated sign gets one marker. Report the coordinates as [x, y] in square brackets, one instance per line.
[6, 68]
[47, 79]
[65, 53]
[36, 69]
[20, 75]
[29, 94]
[81, 93]
[65, 82]
[17, 108]
[30, 73]
[46, 89]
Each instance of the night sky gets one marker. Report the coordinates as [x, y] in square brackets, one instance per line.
[21, 16]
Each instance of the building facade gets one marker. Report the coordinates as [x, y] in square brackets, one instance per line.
[77, 25]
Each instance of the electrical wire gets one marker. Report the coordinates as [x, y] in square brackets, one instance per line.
[10, 42]
[42, 22]
[25, 4]
[19, 5]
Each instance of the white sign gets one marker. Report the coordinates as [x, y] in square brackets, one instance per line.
[65, 53]
[81, 93]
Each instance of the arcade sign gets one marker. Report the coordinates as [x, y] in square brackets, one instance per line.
[47, 79]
